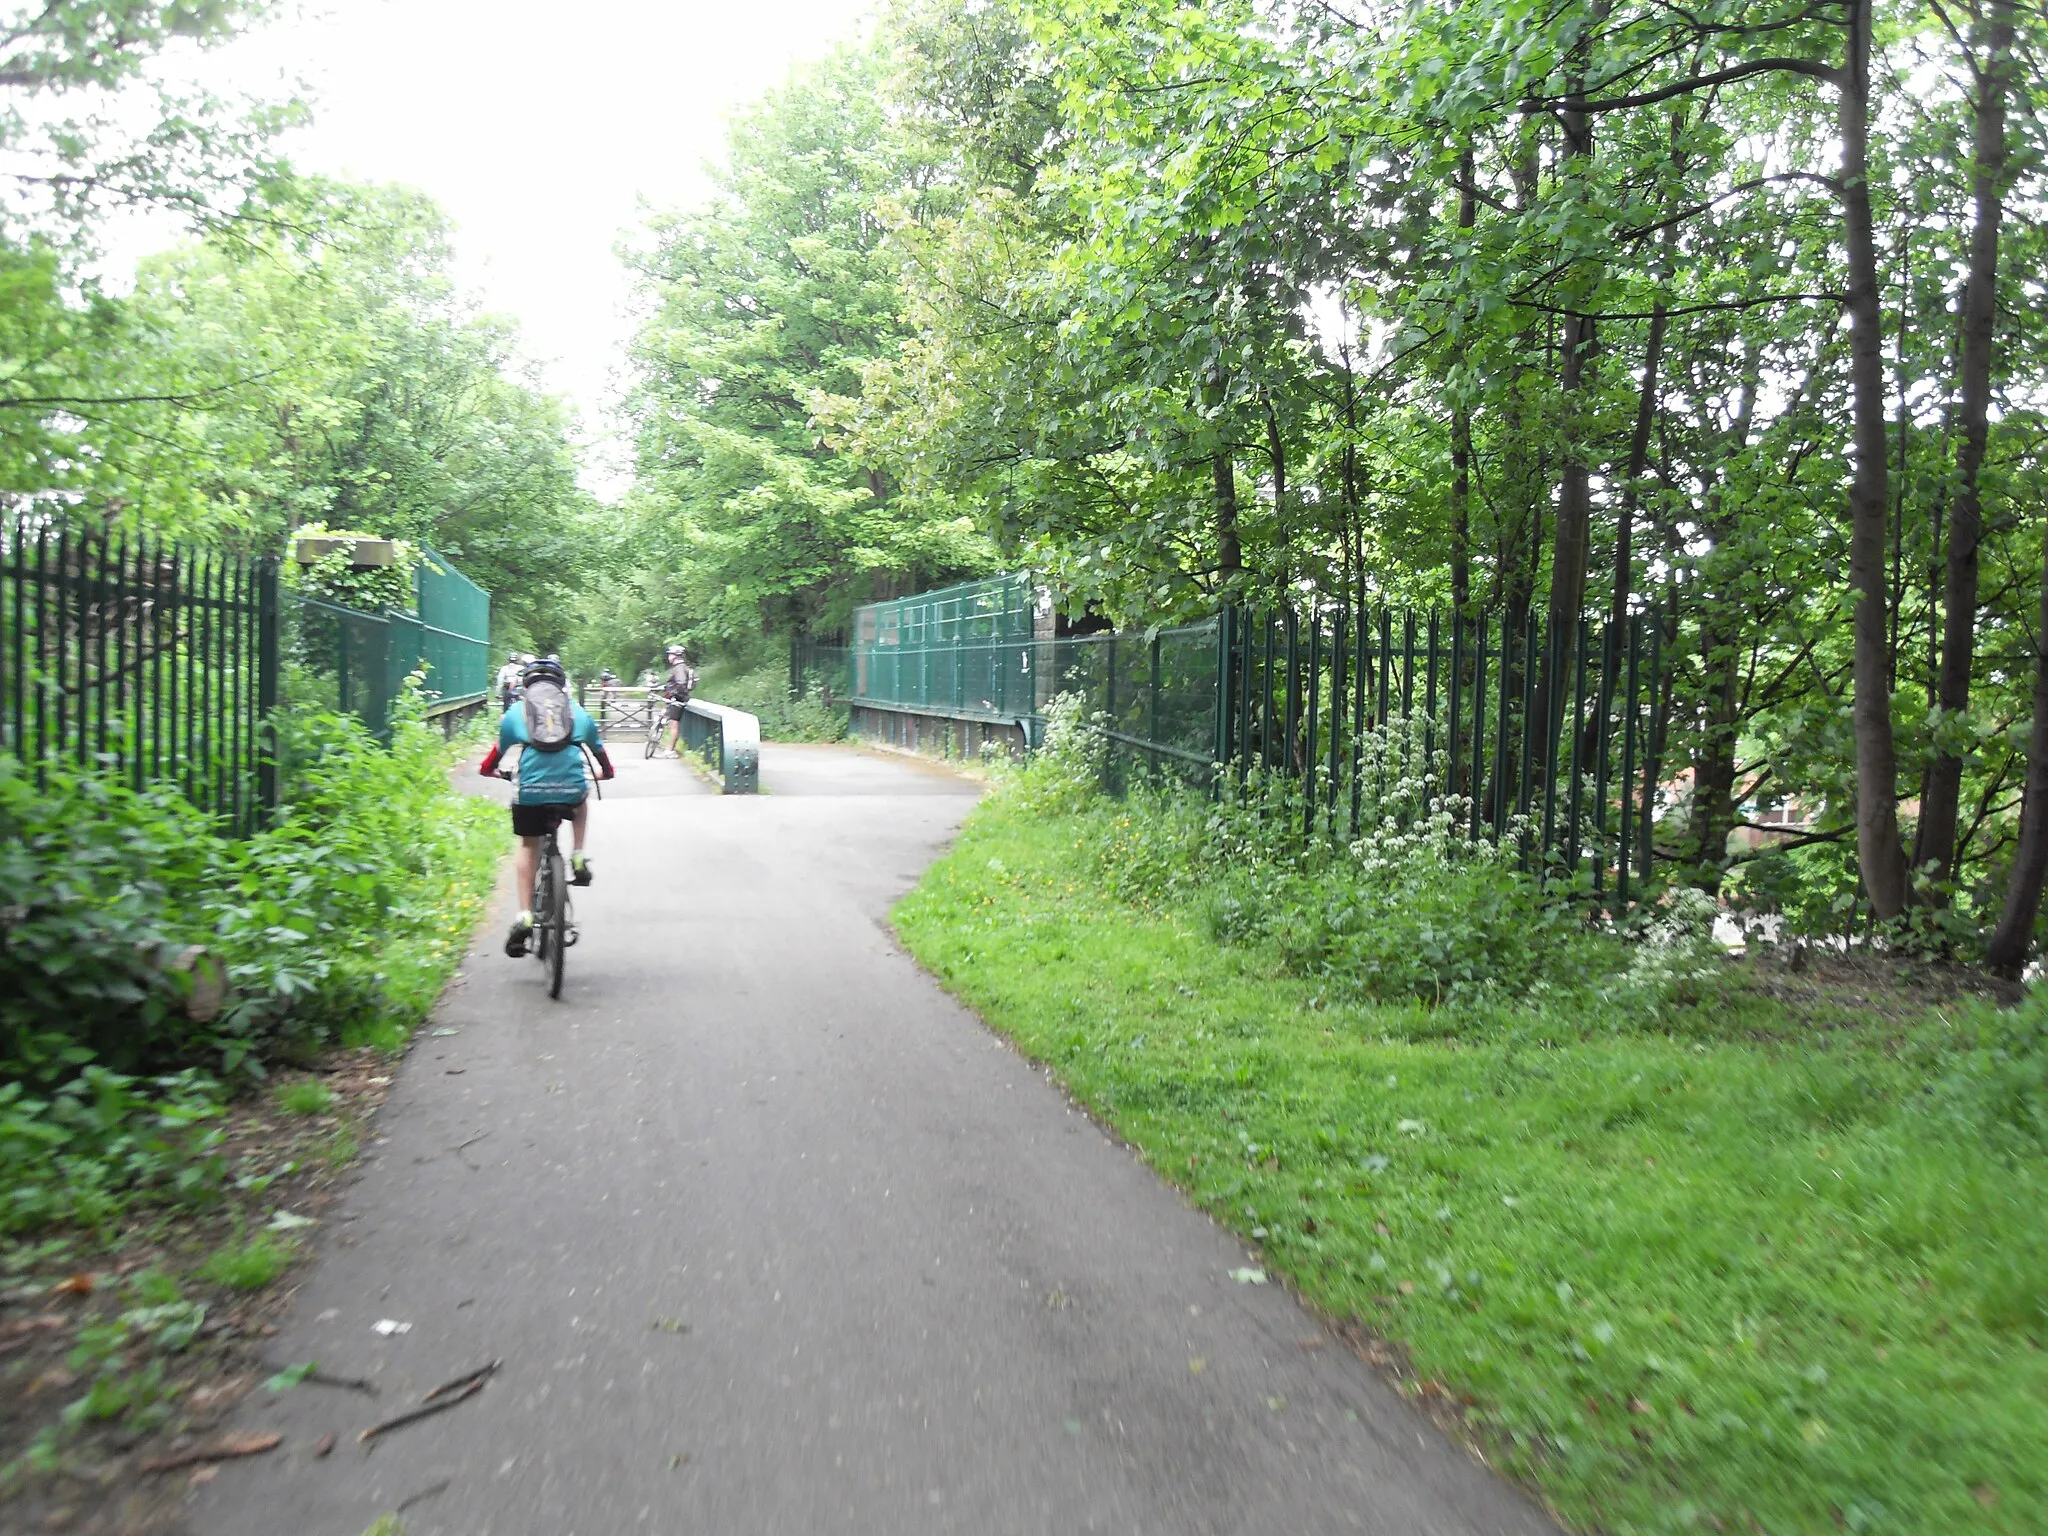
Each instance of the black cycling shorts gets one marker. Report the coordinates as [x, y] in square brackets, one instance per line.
[675, 709]
[540, 820]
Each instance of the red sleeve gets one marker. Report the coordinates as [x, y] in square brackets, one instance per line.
[604, 761]
[489, 765]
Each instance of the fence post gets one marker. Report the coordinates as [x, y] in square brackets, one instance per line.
[1628, 759]
[1650, 746]
[1152, 725]
[267, 647]
[1310, 723]
[1339, 640]
[1220, 727]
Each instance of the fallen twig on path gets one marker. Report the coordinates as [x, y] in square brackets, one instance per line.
[248, 1443]
[347, 1383]
[423, 1495]
[321, 1378]
[445, 1396]
[475, 1378]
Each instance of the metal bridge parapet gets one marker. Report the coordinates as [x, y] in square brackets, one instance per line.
[735, 734]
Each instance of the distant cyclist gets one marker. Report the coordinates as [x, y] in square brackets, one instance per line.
[552, 732]
[676, 687]
[507, 684]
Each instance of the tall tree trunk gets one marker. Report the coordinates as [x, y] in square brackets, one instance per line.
[1461, 427]
[1720, 630]
[1229, 553]
[1882, 859]
[1276, 453]
[1571, 536]
[1638, 465]
[1937, 834]
[2014, 935]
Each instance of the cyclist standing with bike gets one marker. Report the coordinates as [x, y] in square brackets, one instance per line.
[676, 688]
[553, 733]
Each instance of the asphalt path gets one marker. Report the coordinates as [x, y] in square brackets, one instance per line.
[771, 1236]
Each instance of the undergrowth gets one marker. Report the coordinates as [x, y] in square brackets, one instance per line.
[151, 965]
[763, 691]
[1686, 1260]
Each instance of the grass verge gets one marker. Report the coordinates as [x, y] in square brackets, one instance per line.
[1692, 1278]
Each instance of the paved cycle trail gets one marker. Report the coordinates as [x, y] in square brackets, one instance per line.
[771, 1236]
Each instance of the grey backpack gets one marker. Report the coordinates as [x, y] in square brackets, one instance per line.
[550, 720]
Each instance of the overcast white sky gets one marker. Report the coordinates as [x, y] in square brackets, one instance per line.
[538, 126]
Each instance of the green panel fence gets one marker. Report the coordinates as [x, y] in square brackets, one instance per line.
[454, 638]
[356, 662]
[964, 651]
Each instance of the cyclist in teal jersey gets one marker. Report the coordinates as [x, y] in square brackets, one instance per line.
[553, 787]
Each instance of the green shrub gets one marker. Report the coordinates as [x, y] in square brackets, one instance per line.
[763, 692]
[1411, 910]
[79, 1153]
[122, 904]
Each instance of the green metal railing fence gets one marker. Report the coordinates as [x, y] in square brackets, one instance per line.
[147, 657]
[162, 662]
[962, 650]
[1552, 739]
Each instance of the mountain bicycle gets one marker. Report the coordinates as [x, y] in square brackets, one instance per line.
[553, 931]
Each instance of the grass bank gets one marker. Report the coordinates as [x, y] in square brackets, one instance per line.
[1738, 1265]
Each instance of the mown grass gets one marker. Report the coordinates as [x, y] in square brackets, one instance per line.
[1702, 1279]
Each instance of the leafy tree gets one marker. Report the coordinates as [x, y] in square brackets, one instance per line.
[761, 307]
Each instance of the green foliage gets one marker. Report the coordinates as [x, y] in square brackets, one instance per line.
[79, 1153]
[1707, 1267]
[249, 1263]
[763, 691]
[1413, 909]
[761, 307]
[305, 1097]
[126, 904]
[374, 589]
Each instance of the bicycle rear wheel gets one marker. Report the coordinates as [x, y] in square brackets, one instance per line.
[557, 923]
[543, 903]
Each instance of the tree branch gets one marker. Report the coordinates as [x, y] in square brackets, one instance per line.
[1787, 66]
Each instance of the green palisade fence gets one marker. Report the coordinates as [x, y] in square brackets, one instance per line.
[1553, 740]
[143, 656]
[164, 663]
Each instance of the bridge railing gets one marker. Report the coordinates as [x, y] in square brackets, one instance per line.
[729, 741]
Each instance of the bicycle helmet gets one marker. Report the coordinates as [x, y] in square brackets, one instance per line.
[546, 669]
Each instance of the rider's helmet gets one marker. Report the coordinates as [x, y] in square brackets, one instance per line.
[545, 669]
[677, 653]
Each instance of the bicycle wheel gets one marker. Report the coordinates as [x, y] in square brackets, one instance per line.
[543, 903]
[557, 921]
[653, 735]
